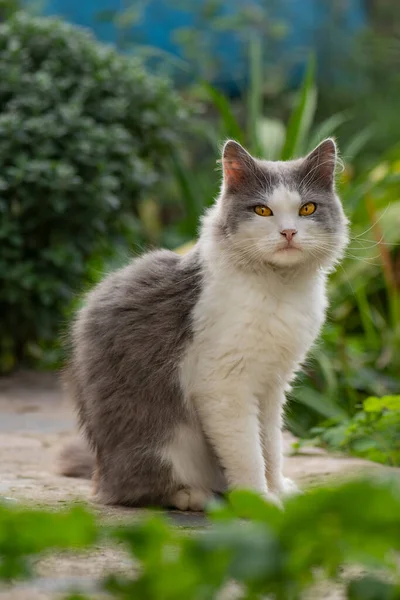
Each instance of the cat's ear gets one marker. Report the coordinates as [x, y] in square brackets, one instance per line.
[237, 164]
[319, 166]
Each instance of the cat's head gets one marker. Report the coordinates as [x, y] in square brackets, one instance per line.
[281, 213]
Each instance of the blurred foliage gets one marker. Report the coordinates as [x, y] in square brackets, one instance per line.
[25, 533]
[367, 78]
[8, 8]
[251, 546]
[372, 433]
[84, 134]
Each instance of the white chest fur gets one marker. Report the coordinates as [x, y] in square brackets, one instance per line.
[252, 330]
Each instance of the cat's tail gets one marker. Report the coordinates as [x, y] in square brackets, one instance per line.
[76, 460]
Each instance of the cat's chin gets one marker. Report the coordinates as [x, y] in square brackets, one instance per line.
[287, 257]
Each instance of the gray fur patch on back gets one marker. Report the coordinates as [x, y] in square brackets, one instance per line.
[128, 341]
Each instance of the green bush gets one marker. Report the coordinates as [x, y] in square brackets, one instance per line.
[8, 8]
[372, 433]
[268, 553]
[84, 132]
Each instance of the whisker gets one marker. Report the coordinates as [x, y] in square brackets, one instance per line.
[348, 281]
[374, 223]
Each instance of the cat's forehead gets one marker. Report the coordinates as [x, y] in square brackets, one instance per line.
[283, 197]
[281, 174]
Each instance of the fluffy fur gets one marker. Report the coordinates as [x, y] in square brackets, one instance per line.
[180, 364]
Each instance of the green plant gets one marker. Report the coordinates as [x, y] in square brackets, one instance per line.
[8, 8]
[25, 533]
[250, 546]
[373, 432]
[366, 80]
[84, 135]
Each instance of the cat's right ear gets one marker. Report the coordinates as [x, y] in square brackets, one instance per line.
[237, 164]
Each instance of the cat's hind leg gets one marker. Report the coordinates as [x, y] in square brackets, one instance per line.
[195, 470]
[190, 499]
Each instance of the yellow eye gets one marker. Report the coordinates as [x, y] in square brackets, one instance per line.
[307, 209]
[263, 211]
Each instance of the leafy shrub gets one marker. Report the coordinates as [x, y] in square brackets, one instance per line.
[29, 532]
[269, 553]
[84, 132]
[372, 433]
[8, 8]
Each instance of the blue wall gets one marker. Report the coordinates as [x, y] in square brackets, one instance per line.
[305, 19]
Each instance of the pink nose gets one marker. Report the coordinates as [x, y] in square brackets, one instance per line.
[289, 233]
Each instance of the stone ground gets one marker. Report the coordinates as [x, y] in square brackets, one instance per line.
[35, 421]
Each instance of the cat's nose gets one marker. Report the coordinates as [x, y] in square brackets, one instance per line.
[289, 233]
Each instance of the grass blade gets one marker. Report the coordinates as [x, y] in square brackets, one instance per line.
[271, 137]
[255, 100]
[187, 184]
[326, 129]
[302, 117]
[232, 128]
[319, 402]
[358, 142]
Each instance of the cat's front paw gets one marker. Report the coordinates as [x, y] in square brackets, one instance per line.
[272, 498]
[287, 487]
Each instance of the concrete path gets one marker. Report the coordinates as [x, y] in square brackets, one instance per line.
[35, 421]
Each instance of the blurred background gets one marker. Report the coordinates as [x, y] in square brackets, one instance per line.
[112, 115]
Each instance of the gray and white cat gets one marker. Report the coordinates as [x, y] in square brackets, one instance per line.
[180, 364]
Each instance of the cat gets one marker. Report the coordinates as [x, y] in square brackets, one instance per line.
[180, 364]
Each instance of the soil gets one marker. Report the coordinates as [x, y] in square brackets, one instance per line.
[35, 421]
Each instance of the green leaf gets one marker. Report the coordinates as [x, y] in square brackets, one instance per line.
[248, 504]
[326, 129]
[190, 193]
[319, 402]
[130, 16]
[302, 117]
[255, 95]
[374, 404]
[231, 128]
[271, 137]
[368, 587]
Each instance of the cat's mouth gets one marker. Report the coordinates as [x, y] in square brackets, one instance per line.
[289, 248]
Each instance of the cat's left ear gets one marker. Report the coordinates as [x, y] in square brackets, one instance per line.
[319, 166]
